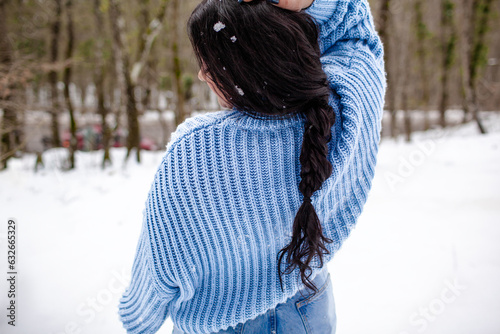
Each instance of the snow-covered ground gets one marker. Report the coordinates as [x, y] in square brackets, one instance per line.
[424, 258]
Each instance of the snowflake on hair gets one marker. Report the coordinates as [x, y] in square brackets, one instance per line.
[219, 26]
[240, 91]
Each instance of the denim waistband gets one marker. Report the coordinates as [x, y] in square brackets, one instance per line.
[319, 281]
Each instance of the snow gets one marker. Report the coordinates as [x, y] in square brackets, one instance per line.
[219, 26]
[233, 39]
[423, 258]
[240, 91]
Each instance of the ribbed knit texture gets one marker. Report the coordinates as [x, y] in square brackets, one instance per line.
[223, 200]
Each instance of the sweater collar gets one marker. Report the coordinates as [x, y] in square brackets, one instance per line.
[254, 120]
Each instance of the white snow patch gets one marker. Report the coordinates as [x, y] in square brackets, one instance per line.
[233, 39]
[240, 91]
[424, 251]
[219, 26]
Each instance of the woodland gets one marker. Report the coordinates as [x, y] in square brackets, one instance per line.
[126, 70]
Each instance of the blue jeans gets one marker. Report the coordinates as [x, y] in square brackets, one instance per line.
[304, 313]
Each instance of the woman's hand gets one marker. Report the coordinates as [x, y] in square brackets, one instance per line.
[295, 5]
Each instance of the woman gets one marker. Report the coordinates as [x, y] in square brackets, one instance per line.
[249, 204]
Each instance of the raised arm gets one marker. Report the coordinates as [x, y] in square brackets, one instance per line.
[342, 21]
[351, 51]
[352, 58]
[347, 35]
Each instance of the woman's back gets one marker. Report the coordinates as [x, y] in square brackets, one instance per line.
[223, 201]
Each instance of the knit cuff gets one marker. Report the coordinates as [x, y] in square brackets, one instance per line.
[341, 20]
[322, 10]
[142, 308]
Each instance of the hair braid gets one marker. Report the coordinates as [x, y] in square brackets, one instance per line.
[308, 240]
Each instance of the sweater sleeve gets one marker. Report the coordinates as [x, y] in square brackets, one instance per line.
[341, 21]
[145, 304]
[352, 58]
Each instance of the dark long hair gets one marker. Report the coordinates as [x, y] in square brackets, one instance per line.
[266, 60]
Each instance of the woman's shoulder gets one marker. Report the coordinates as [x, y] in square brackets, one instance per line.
[229, 121]
[196, 123]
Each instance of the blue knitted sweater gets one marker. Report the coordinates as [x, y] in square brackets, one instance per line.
[223, 200]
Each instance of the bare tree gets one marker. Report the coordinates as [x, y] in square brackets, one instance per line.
[422, 34]
[9, 138]
[405, 57]
[180, 113]
[129, 79]
[149, 31]
[448, 45]
[123, 72]
[54, 51]
[148, 37]
[99, 76]
[383, 28]
[481, 14]
[67, 82]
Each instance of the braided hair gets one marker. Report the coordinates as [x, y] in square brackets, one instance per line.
[266, 60]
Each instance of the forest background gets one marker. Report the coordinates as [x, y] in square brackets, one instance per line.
[90, 75]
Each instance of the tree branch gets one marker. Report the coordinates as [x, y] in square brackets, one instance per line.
[149, 37]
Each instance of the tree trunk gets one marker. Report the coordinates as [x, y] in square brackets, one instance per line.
[180, 113]
[99, 76]
[163, 126]
[448, 45]
[54, 50]
[406, 56]
[67, 81]
[8, 142]
[475, 112]
[122, 70]
[480, 23]
[149, 32]
[465, 45]
[384, 26]
[407, 112]
[421, 31]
